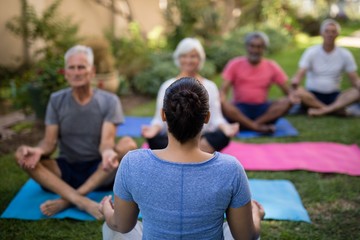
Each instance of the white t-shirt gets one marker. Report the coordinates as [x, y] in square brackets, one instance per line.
[216, 116]
[324, 69]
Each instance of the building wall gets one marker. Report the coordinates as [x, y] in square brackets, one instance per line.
[10, 46]
[147, 13]
[93, 19]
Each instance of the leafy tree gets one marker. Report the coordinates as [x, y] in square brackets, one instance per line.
[57, 33]
[202, 18]
[276, 13]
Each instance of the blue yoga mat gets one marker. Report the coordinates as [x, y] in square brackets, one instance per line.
[132, 127]
[283, 128]
[279, 198]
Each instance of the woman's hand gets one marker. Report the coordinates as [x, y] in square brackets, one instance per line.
[106, 206]
[150, 131]
[257, 210]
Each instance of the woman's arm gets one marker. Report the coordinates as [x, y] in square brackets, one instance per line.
[244, 222]
[120, 216]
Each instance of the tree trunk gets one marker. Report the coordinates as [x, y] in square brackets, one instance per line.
[25, 35]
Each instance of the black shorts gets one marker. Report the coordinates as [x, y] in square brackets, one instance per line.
[217, 139]
[326, 98]
[76, 174]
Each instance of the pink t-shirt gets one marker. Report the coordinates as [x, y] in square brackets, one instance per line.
[251, 83]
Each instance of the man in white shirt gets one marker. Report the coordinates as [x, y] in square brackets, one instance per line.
[323, 65]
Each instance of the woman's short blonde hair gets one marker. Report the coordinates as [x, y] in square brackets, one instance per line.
[187, 45]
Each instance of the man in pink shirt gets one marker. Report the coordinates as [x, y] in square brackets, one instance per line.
[251, 77]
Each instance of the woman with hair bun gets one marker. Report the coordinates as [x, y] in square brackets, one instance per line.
[181, 191]
[189, 57]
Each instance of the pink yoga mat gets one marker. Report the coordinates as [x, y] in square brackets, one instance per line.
[323, 157]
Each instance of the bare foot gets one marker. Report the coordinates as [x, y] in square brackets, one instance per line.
[92, 208]
[230, 130]
[51, 207]
[265, 128]
[317, 111]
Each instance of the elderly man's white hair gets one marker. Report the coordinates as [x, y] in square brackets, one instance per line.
[187, 45]
[326, 22]
[80, 49]
[261, 35]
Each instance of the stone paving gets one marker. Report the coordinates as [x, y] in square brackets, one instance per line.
[9, 120]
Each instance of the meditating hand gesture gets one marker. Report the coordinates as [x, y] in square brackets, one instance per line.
[150, 131]
[27, 157]
[110, 160]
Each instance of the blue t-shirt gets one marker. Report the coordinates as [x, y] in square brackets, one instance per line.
[182, 200]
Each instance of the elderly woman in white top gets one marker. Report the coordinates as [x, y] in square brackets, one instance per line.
[189, 56]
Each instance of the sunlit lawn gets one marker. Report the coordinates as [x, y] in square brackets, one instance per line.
[332, 200]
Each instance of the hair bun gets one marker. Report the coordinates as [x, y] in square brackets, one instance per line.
[184, 102]
[186, 105]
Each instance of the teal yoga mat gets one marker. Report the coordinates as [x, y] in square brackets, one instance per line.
[280, 199]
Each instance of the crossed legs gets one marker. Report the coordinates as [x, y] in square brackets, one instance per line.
[263, 122]
[344, 99]
[48, 174]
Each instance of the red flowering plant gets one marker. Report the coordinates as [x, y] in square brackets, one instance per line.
[36, 85]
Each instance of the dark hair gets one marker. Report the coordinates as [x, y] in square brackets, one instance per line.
[186, 105]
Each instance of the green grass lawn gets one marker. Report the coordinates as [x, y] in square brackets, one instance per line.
[332, 200]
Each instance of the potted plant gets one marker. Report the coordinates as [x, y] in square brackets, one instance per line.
[106, 76]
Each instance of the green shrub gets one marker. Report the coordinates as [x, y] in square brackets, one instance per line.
[36, 81]
[222, 50]
[57, 32]
[163, 68]
[202, 19]
[209, 69]
[309, 24]
[35, 86]
[7, 74]
[149, 80]
[232, 45]
[279, 38]
[132, 53]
